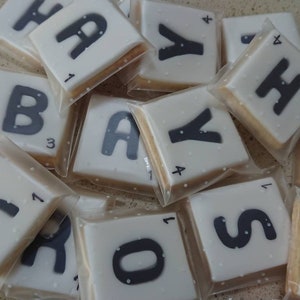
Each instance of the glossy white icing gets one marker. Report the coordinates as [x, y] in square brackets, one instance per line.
[238, 31]
[168, 26]
[192, 135]
[262, 240]
[29, 195]
[29, 116]
[266, 82]
[110, 146]
[80, 42]
[41, 277]
[149, 244]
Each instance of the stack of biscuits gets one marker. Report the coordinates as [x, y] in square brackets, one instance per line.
[149, 149]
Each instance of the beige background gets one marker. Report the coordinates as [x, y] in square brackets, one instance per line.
[226, 8]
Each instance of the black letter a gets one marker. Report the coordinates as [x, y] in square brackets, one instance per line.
[76, 29]
[112, 137]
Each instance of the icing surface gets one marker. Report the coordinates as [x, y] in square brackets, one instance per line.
[54, 267]
[19, 18]
[187, 128]
[185, 40]
[69, 42]
[268, 86]
[148, 246]
[244, 228]
[110, 145]
[239, 31]
[28, 114]
[26, 208]
[235, 7]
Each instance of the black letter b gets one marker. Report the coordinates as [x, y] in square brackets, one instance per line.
[15, 108]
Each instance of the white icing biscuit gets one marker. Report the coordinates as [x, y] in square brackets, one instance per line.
[190, 139]
[81, 46]
[18, 19]
[29, 195]
[244, 229]
[263, 90]
[238, 32]
[185, 40]
[142, 257]
[110, 149]
[29, 117]
[48, 267]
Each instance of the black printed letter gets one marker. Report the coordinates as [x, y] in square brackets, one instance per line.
[32, 14]
[55, 241]
[112, 136]
[9, 208]
[192, 130]
[139, 276]
[274, 81]
[244, 228]
[181, 45]
[247, 38]
[77, 29]
[15, 108]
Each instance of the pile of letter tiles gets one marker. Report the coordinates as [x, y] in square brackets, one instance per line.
[149, 150]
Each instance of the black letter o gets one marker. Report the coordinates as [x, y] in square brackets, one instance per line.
[138, 276]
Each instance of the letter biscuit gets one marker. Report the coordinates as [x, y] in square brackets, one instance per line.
[262, 90]
[141, 257]
[189, 145]
[242, 231]
[110, 150]
[17, 20]
[30, 118]
[185, 39]
[87, 30]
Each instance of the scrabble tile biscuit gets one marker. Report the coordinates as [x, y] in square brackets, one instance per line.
[191, 141]
[29, 196]
[238, 32]
[142, 257]
[110, 150]
[243, 233]
[29, 117]
[263, 90]
[48, 266]
[186, 43]
[82, 45]
[17, 20]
